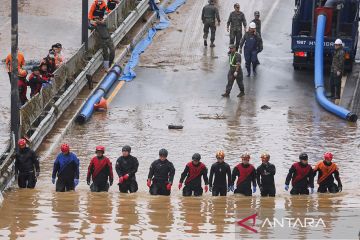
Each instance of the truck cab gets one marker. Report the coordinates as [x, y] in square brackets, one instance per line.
[342, 22]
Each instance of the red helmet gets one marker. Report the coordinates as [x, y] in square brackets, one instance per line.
[65, 148]
[328, 156]
[22, 142]
[100, 148]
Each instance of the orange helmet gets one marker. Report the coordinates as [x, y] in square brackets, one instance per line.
[22, 73]
[265, 156]
[245, 156]
[220, 154]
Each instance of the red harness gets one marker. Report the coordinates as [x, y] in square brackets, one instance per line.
[194, 171]
[99, 165]
[301, 172]
[244, 172]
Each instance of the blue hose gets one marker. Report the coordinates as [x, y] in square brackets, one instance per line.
[101, 91]
[319, 75]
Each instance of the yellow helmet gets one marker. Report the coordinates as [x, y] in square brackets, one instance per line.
[220, 154]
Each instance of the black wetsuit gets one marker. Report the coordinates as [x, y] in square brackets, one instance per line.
[127, 165]
[161, 173]
[193, 174]
[26, 163]
[302, 177]
[265, 179]
[219, 186]
[246, 174]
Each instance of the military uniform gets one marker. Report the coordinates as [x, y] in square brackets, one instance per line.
[258, 25]
[235, 22]
[210, 13]
[337, 67]
[253, 45]
[234, 61]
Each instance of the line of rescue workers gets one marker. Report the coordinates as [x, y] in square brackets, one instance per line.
[243, 179]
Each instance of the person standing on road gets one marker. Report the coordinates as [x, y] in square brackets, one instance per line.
[8, 63]
[253, 45]
[301, 176]
[27, 167]
[234, 25]
[220, 170]
[210, 14]
[97, 21]
[100, 171]
[66, 169]
[235, 72]
[265, 176]
[246, 174]
[327, 171]
[161, 175]
[193, 172]
[126, 167]
[337, 70]
[257, 21]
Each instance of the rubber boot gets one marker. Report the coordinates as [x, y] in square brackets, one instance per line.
[248, 71]
[212, 44]
[226, 95]
[254, 70]
[241, 94]
[205, 43]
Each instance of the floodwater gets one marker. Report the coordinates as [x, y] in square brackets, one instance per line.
[180, 82]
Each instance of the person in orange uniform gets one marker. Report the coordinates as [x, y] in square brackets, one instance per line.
[100, 170]
[246, 174]
[97, 11]
[21, 63]
[327, 172]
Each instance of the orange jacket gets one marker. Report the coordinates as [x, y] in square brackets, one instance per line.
[21, 61]
[94, 6]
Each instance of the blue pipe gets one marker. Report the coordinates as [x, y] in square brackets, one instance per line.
[319, 75]
[88, 108]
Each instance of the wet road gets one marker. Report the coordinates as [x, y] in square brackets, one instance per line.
[180, 82]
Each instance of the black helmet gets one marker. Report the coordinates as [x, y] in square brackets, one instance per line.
[126, 148]
[303, 156]
[257, 13]
[35, 68]
[163, 152]
[196, 157]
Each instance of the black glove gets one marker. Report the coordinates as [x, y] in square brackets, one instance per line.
[88, 182]
[111, 182]
[340, 187]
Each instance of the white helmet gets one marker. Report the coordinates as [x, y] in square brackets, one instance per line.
[338, 41]
[252, 25]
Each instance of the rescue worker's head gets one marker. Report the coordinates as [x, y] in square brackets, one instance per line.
[237, 7]
[328, 156]
[99, 2]
[163, 153]
[252, 27]
[22, 143]
[232, 48]
[43, 67]
[245, 158]
[211, 1]
[51, 54]
[35, 70]
[257, 14]
[126, 150]
[57, 47]
[338, 43]
[196, 159]
[303, 157]
[100, 150]
[265, 157]
[22, 74]
[220, 155]
[65, 148]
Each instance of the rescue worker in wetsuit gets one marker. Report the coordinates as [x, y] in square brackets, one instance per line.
[337, 70]
[265, 176]
[27, 167]
[257, 21]
[192, 174]
[22, 86]
[235, 72]
[234, 25]
[301, 176]
[97, 21]
[210, 14]
[161, 175]
[50, 62]
[253, 45]
[66, 168]
[100, 171]
[219, 171]
[246, 174]
[35, 81]
[126, 167]
[327, 171]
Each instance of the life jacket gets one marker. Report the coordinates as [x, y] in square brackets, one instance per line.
[98, 165]
[194, 171]
[325, 170]
[23, 86]
[100, 10]
[301, 172]
[35, 85]
[244, 172]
